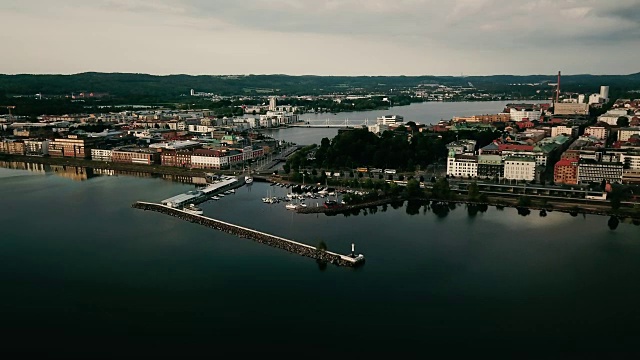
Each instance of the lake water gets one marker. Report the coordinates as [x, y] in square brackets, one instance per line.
[84, 274]
[423, 113]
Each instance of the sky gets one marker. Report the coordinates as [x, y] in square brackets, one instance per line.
[320, 37]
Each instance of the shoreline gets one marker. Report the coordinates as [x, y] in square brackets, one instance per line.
[565, 207]
[506, 201]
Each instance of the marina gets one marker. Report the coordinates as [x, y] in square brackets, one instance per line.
[218, 187]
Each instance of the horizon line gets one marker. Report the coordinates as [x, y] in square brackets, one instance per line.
[302, 75]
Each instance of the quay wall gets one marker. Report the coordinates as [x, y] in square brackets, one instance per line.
[258, 236]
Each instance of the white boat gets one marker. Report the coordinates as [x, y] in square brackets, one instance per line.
[192, 209]
[232, 191]
[291, 206]
[215, 198]
[221, 195]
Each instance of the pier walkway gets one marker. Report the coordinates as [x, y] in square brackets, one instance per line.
[261, 237]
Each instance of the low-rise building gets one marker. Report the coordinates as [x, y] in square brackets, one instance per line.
[134, 155]
[74, 146]
[520, 168]
[101, 154]
[599, 132]
[462, 147]
[564, 130]
[11, 146]
[570, 109]
[591, 171]
[625, 133]
[490, 167]
[565, 171]
[36, 147]
[462, 165]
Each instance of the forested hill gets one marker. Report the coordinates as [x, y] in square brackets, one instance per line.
[125, 84]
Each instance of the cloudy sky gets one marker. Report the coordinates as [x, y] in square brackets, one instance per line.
[321, 37]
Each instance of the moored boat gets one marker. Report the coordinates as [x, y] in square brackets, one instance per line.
[192, 209]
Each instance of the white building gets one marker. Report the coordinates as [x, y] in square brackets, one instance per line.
[390, 120]
[581, 98]
[564, 130]
[100, 154]
[462, 147]
[519, 115]
[599, 132]
[462, 165]
[378, 128]
[594, 99]
[604, 93]
[630, 161]
[201, 129]
[520, 168]
[272, 103]
[36, 147]
[203, 161]
[278, 118]
[539, 156]
[623, 133]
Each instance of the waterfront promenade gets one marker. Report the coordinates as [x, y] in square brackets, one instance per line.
[258, 236]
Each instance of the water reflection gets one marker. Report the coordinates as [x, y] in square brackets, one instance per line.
[82, 173]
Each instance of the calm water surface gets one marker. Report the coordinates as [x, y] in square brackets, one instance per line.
[423, 113]
[83, 273]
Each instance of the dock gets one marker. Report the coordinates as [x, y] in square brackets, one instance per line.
[198, 196]
[291, 246]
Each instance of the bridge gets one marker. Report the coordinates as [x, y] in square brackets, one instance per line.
[333, 123]
[350, 260]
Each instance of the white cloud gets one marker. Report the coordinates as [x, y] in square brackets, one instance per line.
[321, 36]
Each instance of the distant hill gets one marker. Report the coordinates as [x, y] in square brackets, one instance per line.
[136, 85]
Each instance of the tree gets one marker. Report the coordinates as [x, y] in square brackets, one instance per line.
[441, 189]
[623, 121]
[413, 187]
[474, 191]
[524, 201]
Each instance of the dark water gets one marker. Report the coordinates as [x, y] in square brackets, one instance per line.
[84, 274]
[422, 113]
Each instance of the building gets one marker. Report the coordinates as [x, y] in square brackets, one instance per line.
[134, 155]
[462, 165]
[591, 171]
[489, 118]
[390, 120]
[604, 93]
[462, 147]
[630, 161]
[520, 168]
[490, 167]
[101, 154]
[571, 109]
[565, 171]
[565, 130]
[36, 147]
[625, 133]
[595, 99]
[378, 128]
[10, 146]
[524, 114]
[73, 146]
[598, 132]
[272, 103]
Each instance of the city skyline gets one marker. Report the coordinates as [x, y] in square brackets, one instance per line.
[297, 37]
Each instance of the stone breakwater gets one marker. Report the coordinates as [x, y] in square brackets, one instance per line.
[263, 238]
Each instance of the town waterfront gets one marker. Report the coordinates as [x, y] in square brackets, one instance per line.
[423, 113]
[85, 274]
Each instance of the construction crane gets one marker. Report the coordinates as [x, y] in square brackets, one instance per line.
[9, 107]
